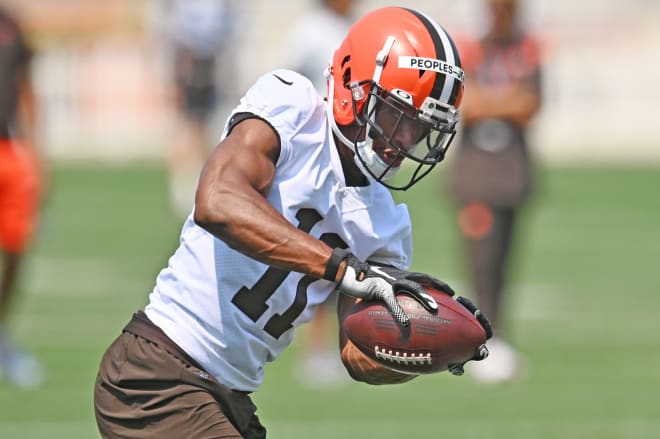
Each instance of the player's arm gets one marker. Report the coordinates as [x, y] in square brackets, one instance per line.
[359, 366]
[231, 202]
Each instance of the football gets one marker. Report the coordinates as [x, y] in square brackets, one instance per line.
[432, 343]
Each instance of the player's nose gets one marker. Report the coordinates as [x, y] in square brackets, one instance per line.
[406, 135]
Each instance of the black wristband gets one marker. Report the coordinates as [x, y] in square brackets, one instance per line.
[338, 255]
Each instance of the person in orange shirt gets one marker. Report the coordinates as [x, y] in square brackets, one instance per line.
[492, 173]
[21, 181]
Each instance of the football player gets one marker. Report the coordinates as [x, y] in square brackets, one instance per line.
[20, 184]
[290, 206]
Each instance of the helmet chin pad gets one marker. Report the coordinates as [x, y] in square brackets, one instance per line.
[370, 163]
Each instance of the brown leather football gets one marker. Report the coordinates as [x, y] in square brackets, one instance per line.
[431, 343]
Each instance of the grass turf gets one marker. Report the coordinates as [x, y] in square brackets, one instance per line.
[583, 306]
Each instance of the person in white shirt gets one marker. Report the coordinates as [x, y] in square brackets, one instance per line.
[292, 204]
[312, 40]
[198, 38]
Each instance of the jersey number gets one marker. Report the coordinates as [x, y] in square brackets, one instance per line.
[252, 301]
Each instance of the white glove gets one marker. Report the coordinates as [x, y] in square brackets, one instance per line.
[370, 282]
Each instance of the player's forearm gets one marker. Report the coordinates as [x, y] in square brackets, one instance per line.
[249, 224]
[231, 203]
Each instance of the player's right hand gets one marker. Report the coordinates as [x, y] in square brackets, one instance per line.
[367, 282]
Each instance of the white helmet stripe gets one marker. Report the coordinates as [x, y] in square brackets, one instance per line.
[445, 85]
[451, 55]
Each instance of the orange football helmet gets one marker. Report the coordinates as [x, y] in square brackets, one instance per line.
[398, 75]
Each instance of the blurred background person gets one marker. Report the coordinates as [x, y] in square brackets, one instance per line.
[307, 50]
[491, 178]
[199, 35]
[21, 180]
[314, 37]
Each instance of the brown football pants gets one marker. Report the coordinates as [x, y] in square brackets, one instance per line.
[144, 391]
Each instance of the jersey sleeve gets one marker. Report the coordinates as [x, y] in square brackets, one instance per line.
[286, 100]
[395, 235]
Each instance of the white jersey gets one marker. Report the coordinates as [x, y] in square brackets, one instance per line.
[233, 314]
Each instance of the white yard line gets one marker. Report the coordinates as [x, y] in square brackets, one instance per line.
[76, 277]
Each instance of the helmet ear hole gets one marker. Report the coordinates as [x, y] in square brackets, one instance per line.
[346, 77]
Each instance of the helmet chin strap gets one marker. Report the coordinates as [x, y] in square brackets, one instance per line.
[364, 156]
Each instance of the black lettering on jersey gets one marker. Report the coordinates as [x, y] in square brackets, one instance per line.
[284, 81]
[252, 301]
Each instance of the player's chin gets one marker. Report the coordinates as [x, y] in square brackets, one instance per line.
[392, 160]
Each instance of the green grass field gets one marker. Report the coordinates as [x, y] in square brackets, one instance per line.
[584, 307]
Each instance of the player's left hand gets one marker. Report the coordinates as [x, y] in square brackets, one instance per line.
[482, 351]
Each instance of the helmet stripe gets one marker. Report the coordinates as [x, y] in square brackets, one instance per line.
[445, 87]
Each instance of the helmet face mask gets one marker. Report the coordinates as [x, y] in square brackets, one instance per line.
[395, 130]
[397, 77]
